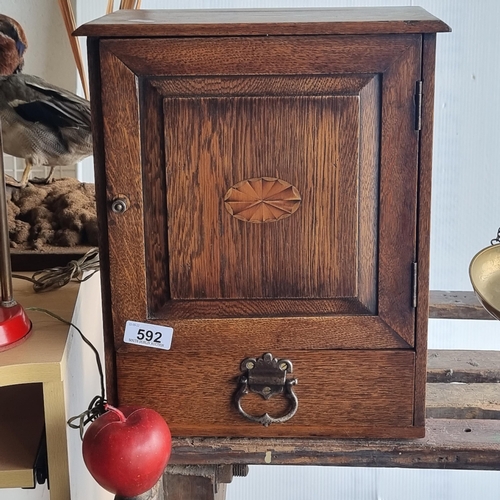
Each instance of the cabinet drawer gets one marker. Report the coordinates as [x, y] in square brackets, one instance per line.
[342, 393]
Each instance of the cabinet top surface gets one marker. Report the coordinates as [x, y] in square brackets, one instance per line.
[255, 22]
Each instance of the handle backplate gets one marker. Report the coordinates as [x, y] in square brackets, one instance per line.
[266, 376]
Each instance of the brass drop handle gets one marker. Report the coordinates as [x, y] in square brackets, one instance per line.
[266, 376]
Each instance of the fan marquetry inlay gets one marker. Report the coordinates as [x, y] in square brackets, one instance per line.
[262, 199]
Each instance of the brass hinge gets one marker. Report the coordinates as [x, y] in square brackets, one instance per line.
[418, 105]
[414, 270]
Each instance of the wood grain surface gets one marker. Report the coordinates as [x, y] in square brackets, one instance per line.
[279, 55]
[463, 401]
[214, 143]
[456, 305]
[421, 283]
[222, 22]
[448, 444]
[210, 262]
[446, 366]
[346, 393]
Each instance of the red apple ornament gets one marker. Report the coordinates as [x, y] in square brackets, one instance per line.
[127, 449]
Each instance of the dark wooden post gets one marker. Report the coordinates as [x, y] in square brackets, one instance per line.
[157, 492]
[192, 482]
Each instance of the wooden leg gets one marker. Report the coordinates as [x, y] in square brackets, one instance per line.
[221, 492]
[192, 482]
[180, 487]
[55, 429]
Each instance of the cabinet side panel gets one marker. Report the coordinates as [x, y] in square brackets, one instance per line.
[101, 202]
[424, 208]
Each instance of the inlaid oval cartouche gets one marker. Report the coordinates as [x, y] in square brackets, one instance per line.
[262, 199]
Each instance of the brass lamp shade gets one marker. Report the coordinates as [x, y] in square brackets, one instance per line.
[484, 272]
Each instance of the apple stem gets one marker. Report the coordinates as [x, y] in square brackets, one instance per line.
[121, 416]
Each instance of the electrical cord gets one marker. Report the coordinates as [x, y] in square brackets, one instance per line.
[98, 405]
[57, 277]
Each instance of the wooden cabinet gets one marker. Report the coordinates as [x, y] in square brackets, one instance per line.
[263, 182]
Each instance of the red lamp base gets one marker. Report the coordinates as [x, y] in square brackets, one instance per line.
[14, 326]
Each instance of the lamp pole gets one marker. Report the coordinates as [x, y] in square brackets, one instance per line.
[5, 265]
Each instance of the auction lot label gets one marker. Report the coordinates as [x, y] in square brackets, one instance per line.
[148, 335]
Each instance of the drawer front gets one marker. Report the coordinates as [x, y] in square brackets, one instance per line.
[355, 393]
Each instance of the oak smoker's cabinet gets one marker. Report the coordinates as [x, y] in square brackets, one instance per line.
[263, 183]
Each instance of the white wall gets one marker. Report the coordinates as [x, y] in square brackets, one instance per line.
[351, 483]
[466, 158]
[49, 54]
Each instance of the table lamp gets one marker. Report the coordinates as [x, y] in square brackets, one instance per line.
[15, 325]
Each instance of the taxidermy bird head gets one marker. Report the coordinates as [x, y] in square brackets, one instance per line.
[42, 123]
[13, 44]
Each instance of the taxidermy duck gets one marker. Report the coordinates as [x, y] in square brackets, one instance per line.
[13, 44]
[42, 123]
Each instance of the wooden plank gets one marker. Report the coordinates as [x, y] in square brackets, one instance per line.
[449, 444]
[463, 366]
[456, 305]
[101, 204]
[360, 408]
[463, 401]
[225, 22]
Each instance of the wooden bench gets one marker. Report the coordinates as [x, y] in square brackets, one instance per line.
[462, 430]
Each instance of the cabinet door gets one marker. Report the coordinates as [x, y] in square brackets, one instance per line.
[314, 135]
[272, 187]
